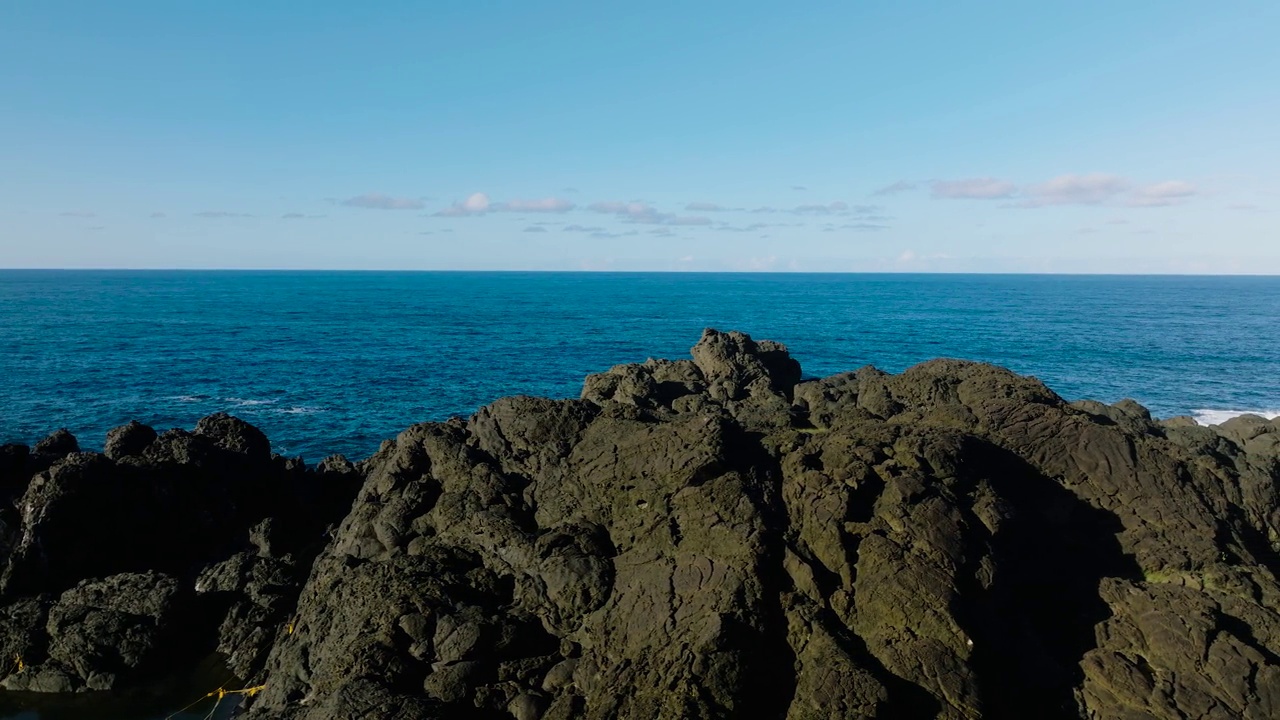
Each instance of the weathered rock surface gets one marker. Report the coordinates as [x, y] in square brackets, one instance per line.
[704, 538]
[128, 440]
[714, 538]
[103, 631]
[120, 567]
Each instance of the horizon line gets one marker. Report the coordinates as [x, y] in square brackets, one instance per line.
[580, 271]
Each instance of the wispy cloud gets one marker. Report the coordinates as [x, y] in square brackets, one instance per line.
[551, 204]
[828, 209]
[1169, 192]
[913, 258]
[900, 186]
[756, 263]
[1069, 189]
[78, 214]
[985, 188]
[221, 214]
[158, 215]
[643, 213]
[379, 201]
[799, 187]
[629, 209]
[1243, 206]
[709, 207]
[535, 229]
[835, 208]
[1090, 189]
[480, 204]
[855, 227]
[475, 204]
[299, 216]
[753, 227]
[581, 228]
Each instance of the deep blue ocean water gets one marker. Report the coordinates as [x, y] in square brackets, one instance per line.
[330, 362]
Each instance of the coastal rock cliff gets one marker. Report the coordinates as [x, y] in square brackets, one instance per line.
[714, 538]
[704, 538]
[120, 566]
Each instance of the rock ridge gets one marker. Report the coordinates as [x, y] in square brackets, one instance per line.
[715, 537]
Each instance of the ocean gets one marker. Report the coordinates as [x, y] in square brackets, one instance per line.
[335, 362]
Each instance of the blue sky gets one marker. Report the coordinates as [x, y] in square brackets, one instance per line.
[940, 136]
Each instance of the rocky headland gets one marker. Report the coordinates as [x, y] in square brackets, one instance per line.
[705, 538]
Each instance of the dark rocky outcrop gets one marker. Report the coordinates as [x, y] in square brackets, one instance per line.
[102, 632]
[60, 442]
[129, 440]
[713, 538]
[105, 576]
[704, 538]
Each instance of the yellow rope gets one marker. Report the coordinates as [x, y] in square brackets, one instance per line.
[219, 694]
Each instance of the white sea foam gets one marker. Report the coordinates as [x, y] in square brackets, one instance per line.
[1217, 417]
[188, 398]
[243, 402]
[300, 410]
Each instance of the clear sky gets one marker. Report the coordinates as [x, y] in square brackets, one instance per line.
[1135, 136]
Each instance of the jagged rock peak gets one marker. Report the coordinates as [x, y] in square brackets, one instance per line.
[733, 363]
[127, 440]
[232, 433]
[59, 442]
[729, 374]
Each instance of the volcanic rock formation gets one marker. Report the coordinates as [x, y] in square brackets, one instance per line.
[117, 567]
[705, 538]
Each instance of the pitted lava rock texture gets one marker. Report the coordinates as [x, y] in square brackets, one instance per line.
[714, 538]
[123, 567]
[705, 538]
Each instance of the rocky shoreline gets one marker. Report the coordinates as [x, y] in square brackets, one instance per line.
[705, 538]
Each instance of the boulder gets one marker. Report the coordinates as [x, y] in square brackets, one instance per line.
[98, 544]
[233, 434]
[58, 443]
[128, 440]
[102, 633]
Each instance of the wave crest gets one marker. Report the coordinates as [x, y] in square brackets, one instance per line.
[1208, 416]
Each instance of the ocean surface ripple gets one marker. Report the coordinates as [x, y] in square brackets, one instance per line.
[331, 362]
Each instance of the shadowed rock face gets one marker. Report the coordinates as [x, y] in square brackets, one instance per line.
[713, 538]
[124, 566]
